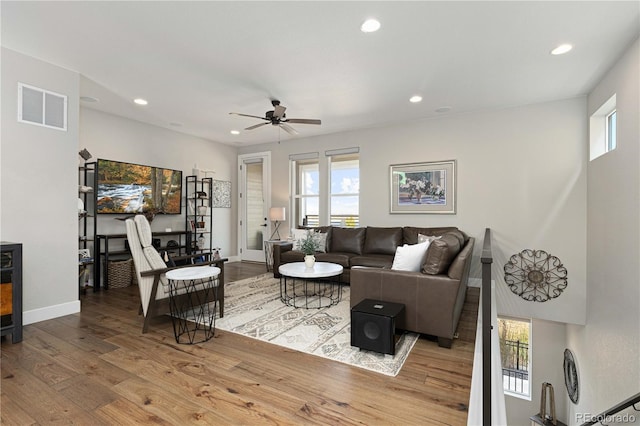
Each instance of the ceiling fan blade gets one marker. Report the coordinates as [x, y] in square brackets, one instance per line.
[278, 111]
[288, 129]
[255, 126]
[303, 121]
[247, 115]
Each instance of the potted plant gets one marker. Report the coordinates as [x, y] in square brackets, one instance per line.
[309, 246]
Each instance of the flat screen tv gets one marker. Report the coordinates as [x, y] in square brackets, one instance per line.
[125, 188]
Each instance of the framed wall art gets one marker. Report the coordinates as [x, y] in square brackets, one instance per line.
[221, 194]
[428, 187]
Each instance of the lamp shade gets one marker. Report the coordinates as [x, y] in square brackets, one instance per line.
[277, 213]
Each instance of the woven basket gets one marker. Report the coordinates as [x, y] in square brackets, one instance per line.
[120, 273]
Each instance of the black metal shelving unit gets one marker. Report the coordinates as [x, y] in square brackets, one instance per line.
[87, 223]
[199, 215]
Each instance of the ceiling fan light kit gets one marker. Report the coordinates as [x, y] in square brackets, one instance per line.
[277, 117]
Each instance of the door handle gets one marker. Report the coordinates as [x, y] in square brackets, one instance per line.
[264, 224]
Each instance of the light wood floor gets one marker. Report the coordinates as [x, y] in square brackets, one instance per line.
[96, 368]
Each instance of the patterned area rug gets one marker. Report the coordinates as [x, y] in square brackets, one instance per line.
[253, 309]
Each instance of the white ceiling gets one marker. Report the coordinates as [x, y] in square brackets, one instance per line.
[197, 61]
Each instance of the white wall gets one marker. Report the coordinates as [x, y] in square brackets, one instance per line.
[115, 138]
[521, 172]
[607, 349]
[39, 189]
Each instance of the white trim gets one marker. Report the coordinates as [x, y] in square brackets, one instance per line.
[50, 312]
[304, 156]
[342, 151]
[477, 282]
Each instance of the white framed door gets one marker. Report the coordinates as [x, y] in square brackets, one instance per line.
[254, 198]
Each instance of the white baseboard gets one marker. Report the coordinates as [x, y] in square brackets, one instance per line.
[475, 282]
[50, 312]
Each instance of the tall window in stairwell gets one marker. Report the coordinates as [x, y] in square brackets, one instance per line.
[344, 198]
[515, 354]
[603, 129]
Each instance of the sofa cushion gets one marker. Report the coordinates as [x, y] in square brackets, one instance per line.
[342, 259]
[410, 233]
[372, 260]
[440, 254]
[382, 240]
[347, 240]
[410, 257]
[459, 235]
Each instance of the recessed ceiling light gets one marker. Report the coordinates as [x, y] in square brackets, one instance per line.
[562, 49]
[88, 99]
[415, 99]
[370, 26]
[443, 109]
[235, 132]
[140, 101]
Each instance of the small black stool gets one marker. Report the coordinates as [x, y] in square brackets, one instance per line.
[373, 325]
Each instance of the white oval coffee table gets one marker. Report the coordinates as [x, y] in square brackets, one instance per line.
[319, 286]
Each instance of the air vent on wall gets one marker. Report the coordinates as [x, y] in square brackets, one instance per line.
[42, 107]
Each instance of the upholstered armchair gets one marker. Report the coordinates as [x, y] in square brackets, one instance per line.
[151, 269]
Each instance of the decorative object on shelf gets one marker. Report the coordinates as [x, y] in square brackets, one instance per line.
[277, 215]
[428, 187]
[571, 376]
[221, 194]
[535, 275]
[85, 154]
[551, 417]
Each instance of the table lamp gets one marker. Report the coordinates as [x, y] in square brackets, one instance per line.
[277, 215]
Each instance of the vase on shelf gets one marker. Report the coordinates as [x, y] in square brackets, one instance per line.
[309, 261]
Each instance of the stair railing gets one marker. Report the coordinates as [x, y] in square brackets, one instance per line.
[487, 260]
[609, 415]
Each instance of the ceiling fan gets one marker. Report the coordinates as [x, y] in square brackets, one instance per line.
[277, 117]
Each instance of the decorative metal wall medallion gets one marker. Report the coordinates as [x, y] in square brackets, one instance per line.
[571, 376]
[535, 275]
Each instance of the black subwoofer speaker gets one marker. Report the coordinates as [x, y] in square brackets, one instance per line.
[373, 325]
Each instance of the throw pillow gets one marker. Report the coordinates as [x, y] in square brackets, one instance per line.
[297, 235]
[440, 254]
[321, 238]
[424, 238]
[409, 257]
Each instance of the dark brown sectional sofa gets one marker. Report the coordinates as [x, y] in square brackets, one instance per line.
[433, 297]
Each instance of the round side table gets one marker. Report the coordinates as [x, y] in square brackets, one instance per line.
[193, 301]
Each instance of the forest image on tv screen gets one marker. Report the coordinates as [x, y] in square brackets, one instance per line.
[133, 188]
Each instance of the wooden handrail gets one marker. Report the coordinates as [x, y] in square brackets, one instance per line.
[602, 417]
[487, 260]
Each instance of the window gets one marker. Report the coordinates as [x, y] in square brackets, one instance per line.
[344, 201]
[603, 129]
[306, 192]
[515, 353]
[611, 131]
[325, 193]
